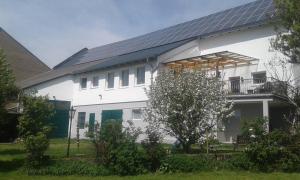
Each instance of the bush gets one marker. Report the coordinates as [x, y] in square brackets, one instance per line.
[34, 128]
[127, 160]
[254, 128]
[271, 152]
[187, 163]
[155, 151]
[65, 168]
[239, 162]
[35, 147]
[116, 148]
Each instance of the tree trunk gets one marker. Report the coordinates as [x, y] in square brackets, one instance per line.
[186, 147]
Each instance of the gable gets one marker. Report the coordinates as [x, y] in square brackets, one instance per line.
[22, 62]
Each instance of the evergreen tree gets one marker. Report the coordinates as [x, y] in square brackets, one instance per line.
[7, 81]
[287, 40]
[8, 92]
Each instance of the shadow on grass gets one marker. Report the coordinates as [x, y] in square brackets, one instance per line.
[11, 165]
[11, 152]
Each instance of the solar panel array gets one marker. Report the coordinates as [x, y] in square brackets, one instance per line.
[250, 14]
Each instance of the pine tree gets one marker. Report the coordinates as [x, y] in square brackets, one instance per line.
[7, 81]
[287, 40]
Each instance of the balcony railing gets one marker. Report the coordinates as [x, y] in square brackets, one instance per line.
[255, 86]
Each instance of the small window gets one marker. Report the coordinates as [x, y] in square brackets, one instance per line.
[136, 114]
[95, 82]
[125, 77]
[259, 77]
[83, 82]
[110, 80]
[140, 75]
[81, 120]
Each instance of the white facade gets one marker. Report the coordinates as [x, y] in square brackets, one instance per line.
[253, 42]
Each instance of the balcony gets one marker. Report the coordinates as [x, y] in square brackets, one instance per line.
[255, 86]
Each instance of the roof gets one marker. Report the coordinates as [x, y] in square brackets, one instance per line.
[101, 64]
[155, 43]
[23, 63]
[248, 15]
[217, 60]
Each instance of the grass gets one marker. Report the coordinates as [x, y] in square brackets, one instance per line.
[224, 175]
[12, 157]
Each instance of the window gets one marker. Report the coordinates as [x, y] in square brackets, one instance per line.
[259, 77]
[83, 82]
[136, 114]
[110, 80]
[81, 120]
[125, 77]
[95, 82]
[92, 122]
[140, 75]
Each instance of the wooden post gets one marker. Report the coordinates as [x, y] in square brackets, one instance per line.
[206, 142]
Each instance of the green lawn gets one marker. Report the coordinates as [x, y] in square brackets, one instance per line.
[195, 176]
[12, 156]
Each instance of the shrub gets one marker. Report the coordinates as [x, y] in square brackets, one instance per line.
[36, 146]
[34, 128]
[64, 168]
[155, 152]
[117, 150]
[239, 162]
[254, 128]
[271, 152]
[127, 160]
[187, 163]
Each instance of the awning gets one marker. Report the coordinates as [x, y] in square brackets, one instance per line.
[213, 61]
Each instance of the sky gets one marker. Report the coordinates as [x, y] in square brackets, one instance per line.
[53, 30]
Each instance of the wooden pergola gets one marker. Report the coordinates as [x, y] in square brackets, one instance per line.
[213, 61]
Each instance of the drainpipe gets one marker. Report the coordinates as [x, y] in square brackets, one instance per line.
[152, 70]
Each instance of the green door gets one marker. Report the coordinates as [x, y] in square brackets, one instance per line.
[92, 122]
[111, 115]
[60, 123]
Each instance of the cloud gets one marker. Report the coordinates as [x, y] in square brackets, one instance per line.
[59, 47]
[54, 30]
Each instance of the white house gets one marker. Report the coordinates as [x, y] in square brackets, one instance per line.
[109, 81]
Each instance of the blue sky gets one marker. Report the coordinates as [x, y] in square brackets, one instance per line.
[55, 29]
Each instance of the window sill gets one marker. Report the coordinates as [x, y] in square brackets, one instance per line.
[123, 87]
[139, 85]
[109, 89]
[136, 119]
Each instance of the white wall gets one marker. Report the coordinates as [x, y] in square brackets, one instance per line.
[251, 42]
[118, 94]
[61, 88]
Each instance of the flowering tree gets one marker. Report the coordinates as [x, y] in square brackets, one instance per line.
[187, 105]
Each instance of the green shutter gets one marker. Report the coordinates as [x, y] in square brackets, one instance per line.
[111, 115]
[92, 122]
[60, 123]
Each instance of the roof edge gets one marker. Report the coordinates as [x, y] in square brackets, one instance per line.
[39, 60]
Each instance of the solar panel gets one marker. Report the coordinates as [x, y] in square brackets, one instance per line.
[245, 15]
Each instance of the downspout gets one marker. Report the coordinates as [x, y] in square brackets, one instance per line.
[151, 71]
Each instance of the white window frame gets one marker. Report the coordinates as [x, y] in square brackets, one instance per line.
[113, 80]
[256, 73]
[136, 74]
[81, 112]
[92, 82]
[121, 78]
[132, 114]
[80, 85]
